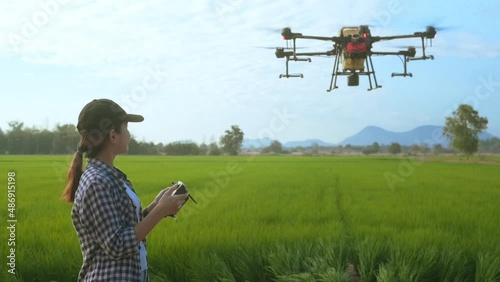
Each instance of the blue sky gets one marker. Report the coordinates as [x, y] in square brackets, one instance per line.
[193, 68]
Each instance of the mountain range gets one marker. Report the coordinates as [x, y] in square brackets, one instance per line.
[428, 134]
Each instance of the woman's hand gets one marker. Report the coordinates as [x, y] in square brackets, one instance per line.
[155, 202]
[170, 204]
[166, 204]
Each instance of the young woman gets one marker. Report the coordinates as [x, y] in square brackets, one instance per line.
[107, 214]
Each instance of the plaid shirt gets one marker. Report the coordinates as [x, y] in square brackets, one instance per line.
[104, 218]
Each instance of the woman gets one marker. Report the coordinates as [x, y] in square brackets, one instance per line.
[107, 214]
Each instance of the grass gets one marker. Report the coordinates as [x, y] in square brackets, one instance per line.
[281, 218]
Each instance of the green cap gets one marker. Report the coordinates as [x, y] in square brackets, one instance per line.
[102, 114]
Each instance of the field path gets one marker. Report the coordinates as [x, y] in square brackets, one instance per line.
[351, 271]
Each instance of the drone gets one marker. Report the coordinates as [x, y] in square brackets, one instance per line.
[353, 50]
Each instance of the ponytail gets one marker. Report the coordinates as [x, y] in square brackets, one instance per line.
[75, 171]
[74, 174]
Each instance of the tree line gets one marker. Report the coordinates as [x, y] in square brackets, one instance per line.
[485, 146]
[462, 129]
[63, 139]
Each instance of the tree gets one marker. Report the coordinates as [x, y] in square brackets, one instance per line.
[133, 146]
[203, 149]
[424, 148]
[463, 128]
[315, 149]
[373, 149]
[232, 140]
[367, 150]
[3, 142]
[44, 142]
[15, 137]
[213, 149]
[415, 149]
[275, 147]
[491, 145]
[437, 148]
[339, 149]
[182, 149]
[395, 148]
[348, 148]
[66, 139]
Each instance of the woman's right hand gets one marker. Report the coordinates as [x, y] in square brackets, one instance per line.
[170, 204]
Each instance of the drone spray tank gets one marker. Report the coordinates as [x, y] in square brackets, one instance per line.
[355, 52]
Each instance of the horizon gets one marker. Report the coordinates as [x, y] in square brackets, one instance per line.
[332, 143]
[190, 72]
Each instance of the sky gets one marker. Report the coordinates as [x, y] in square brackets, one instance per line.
[194, 68]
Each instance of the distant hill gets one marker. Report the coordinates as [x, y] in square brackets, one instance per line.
[307, 143]
[430, 134]
[256, 143]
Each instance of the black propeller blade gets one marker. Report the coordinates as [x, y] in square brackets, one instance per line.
[442, 28]
[285, 48]
[275, 30]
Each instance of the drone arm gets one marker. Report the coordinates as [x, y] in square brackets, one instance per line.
[422, 58]
[313, 54]
[323, 38]
[429, 33]
[377, 53]
[379, 38]
[282, 54]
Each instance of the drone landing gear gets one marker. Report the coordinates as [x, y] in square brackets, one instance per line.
[405, 60]
[370, 73]
[288, 75]
[405, 74]
[334, 72]
[410, 56]
[292, 75]
[353, 77]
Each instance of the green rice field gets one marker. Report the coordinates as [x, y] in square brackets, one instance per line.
[277, 218]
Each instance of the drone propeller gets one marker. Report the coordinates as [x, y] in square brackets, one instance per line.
[404, 46]
[285, 48]
[438, 27]
[275, 30]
